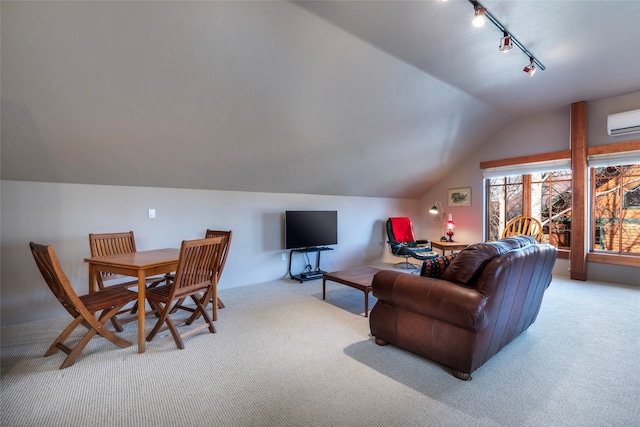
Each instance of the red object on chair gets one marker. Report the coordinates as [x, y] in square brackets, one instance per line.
[402, 229]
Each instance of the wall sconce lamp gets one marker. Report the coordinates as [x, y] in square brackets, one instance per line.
[450, 226]
[435, 211]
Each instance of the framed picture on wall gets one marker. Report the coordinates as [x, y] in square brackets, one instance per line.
[459, 197]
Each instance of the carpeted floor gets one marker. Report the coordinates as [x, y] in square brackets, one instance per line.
[284, 357]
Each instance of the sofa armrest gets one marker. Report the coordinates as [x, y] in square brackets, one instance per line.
[434, 298]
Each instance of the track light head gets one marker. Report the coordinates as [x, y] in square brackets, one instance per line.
[505, 43]
[531, 68]
[478, 20]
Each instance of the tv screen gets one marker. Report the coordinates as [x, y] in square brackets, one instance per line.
[307, 229]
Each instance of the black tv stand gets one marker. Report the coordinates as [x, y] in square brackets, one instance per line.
[308, 275]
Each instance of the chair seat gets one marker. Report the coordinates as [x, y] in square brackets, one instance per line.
[107, 298]
[163, 292]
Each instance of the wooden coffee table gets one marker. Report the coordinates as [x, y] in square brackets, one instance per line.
[358, 277]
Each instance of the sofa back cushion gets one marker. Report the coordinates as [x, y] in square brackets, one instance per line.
[470, 262]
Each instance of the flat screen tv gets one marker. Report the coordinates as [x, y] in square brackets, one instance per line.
[309, 229]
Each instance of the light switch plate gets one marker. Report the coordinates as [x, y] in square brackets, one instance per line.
[152, 213]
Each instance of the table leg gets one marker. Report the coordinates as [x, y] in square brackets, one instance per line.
[324, 287]
[92, 278]
[141, 310]
[366, 304]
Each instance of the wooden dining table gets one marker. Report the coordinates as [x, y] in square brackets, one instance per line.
[141, 264]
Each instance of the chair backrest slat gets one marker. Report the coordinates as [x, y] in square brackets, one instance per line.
[523, 225]
[102, 244]
[112, 243]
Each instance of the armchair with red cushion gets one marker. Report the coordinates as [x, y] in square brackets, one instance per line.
[402, 242]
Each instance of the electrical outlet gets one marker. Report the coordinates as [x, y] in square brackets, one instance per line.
[284, 256]
[152, 213]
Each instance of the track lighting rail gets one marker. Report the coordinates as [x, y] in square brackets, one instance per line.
[501, 27]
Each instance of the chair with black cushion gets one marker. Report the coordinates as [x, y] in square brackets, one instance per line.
[403, 243]
[83, 308]
[196, 278]
[101, 244]
[523, 225]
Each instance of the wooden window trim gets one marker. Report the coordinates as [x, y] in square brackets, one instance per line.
[616, 259]
[562, 155]
[535, 158]
[619, 147]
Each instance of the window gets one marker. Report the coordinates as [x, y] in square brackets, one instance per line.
[616, 208]
[545, 196]
[505, 203]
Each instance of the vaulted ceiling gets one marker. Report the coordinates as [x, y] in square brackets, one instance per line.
[357, 98]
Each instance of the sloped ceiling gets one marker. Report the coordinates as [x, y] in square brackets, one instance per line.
[376, 98]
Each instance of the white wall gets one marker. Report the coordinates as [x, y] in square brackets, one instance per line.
[543, 133]
[64, 214]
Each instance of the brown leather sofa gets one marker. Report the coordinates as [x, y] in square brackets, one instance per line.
[487, 296]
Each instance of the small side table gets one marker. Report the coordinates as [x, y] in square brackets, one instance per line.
[448, 246]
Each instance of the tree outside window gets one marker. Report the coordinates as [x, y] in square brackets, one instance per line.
[616, 209]
[505, 203]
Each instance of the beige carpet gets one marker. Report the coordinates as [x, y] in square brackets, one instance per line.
[284, 357]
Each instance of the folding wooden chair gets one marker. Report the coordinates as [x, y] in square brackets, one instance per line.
[196, 278]
[102, 244]
[83, 308]
[226, 243]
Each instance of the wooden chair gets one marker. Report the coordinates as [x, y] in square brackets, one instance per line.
[523, 225]
[83, 308]
[196, 277]
[111, 244]
[226, 243]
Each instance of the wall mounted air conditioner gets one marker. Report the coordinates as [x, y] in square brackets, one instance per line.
[623, 123]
